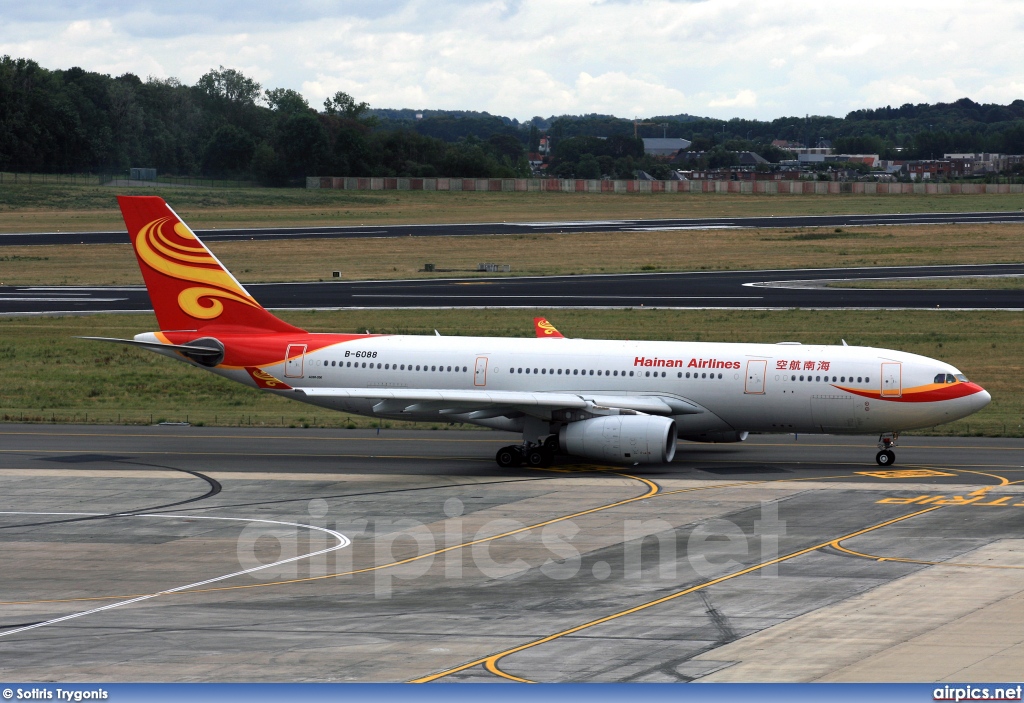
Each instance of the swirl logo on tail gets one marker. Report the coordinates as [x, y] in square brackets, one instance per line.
[170, 247]
[543, 328]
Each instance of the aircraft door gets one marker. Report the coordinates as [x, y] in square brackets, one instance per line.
[892, 380]
[480, 371]
[293, 360]
[756, 369]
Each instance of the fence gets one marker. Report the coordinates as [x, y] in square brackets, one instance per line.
[120, 178]
[515, 185]
[78, 179]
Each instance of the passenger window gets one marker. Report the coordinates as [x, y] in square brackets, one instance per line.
[858, 379]
[559, 372]
[817, 378]
[867, 379]
[535, 370]
[680, 375]
[630, 373]
[575, 372]
[719, 376]
[591, 372]
[801, 378]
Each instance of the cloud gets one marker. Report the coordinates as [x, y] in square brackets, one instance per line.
[723, 58]
[743, 99]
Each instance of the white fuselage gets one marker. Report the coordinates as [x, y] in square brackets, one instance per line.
[738, 387]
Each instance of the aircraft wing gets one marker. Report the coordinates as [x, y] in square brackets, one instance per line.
[453, 401]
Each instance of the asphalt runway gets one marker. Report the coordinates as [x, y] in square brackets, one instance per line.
[237, 554]
[743, 290]
[490, 228]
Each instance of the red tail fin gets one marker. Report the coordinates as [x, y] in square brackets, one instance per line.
[189, 288]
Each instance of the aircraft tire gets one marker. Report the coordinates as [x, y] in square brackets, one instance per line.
[537, 458]
[509, 456]
[885, 457]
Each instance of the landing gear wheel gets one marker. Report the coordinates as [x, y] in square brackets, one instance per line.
[509, 456]
[537, 458]
[886, 457]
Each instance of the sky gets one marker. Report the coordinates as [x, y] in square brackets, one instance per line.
[631, 58]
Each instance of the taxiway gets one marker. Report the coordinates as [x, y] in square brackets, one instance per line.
[225, 554]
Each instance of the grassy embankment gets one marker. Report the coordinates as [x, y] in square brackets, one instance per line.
[53, 377]
[542, 254]
[978, 283]
[49, 207]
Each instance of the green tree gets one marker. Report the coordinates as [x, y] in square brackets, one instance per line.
[303, 144]
[341, 104]
[231, 85]
[588, 167]
[229, 151]
[286, 100]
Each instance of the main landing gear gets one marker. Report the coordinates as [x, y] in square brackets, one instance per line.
[886, 456]
[535, 456]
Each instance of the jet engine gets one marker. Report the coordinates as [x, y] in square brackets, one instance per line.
[622, 439]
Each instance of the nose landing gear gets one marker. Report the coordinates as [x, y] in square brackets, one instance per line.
[886, 456]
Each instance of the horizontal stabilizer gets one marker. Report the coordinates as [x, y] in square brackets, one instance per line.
[190, 349]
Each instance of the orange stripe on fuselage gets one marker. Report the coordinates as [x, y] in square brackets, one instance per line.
[930, 393]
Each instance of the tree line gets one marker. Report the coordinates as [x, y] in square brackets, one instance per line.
[228, 125]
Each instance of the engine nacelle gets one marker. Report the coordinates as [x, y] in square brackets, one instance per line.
[717, 437]
[621, 439]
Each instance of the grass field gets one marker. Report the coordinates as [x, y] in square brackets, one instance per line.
[53, 377]
[541, 254]
[973, 283]
[50, 207]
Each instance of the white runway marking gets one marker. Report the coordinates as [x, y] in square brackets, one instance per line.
[343, 542]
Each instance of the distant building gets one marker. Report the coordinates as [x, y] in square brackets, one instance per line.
[749, 158]
[666, 147]
[786, 144]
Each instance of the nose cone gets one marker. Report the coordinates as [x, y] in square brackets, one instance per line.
[982, 399]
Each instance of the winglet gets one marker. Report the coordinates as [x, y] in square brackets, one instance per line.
[546, 329]
[265, 380]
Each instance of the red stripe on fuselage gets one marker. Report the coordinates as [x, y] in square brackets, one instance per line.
[932, 393]
[241, 350]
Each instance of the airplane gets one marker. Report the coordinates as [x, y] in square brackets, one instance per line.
[613, 401]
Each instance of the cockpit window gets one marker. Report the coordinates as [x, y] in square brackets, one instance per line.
[941, 378]
[950, 378]
[960, 377]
